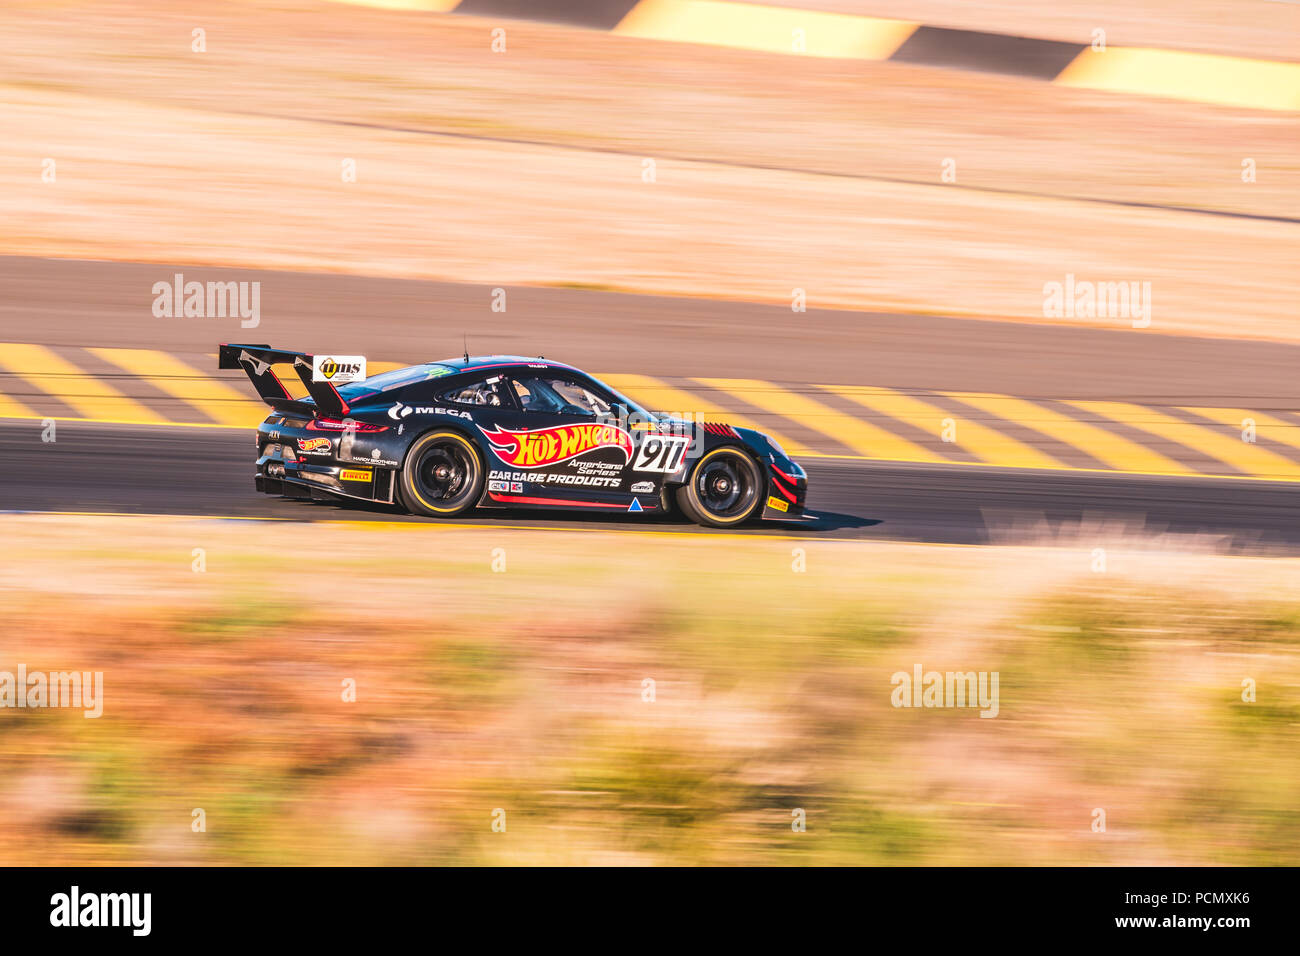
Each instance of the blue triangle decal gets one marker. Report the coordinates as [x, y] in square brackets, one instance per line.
[635, 505]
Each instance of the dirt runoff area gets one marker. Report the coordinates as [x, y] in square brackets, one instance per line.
[639, 698]
[582, 159]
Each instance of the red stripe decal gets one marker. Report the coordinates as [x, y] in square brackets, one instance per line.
[781, 488]
[790, 478]
[277, 381]
[346, 408]
[518, 499]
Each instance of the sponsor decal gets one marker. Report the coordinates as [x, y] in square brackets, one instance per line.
[778, 504]
[400, 411]
[635, 506]
[642, 488]
[496, 485]
[550, 446]
[314, 446]
[375, 457]
[516, 487]
[338, 369]
[356, 474]
[587, 481]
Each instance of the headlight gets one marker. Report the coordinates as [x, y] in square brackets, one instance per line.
[776, 447]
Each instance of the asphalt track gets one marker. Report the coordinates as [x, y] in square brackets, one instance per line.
[128, 469]
[106, 468]
[87, 304]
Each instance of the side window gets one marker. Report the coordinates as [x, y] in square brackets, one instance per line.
[554, 395]
[490, 391]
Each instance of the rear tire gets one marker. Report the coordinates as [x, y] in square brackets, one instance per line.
[724, 490]
[442, 476]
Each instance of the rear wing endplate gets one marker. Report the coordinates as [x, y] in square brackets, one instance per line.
[257, 360]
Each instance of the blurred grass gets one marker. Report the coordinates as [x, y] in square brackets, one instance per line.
[525, 692]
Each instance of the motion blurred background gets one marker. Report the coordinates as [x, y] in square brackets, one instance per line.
[660, 186]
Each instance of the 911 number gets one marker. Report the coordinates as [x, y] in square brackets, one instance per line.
[661, 453]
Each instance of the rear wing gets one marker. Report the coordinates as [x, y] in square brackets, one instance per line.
[257, 360]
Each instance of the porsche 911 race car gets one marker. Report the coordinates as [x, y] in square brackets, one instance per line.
[443, 438]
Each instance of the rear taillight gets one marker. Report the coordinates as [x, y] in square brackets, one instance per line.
[334, 425]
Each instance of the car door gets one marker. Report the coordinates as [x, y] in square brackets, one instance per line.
[570, 445]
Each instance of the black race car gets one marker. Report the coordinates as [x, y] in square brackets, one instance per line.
[446, 437]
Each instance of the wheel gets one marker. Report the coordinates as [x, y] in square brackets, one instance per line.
[442, 475]
[725, 489]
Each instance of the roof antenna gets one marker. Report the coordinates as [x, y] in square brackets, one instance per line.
[466, 335]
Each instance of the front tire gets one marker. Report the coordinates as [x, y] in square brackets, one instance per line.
[725, 489]
[442, 476]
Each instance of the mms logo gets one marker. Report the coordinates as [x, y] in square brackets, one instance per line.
[330, 368]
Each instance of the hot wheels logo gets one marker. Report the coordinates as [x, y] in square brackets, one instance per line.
[550, 446]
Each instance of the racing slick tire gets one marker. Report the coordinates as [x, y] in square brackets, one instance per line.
[725, 489]
[442, 476]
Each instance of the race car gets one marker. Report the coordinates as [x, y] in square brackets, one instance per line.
[443, 438]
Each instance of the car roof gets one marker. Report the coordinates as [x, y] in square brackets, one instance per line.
[463, 365]
[475, 363]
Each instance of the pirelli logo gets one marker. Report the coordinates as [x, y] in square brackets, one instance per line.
[356, 474]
